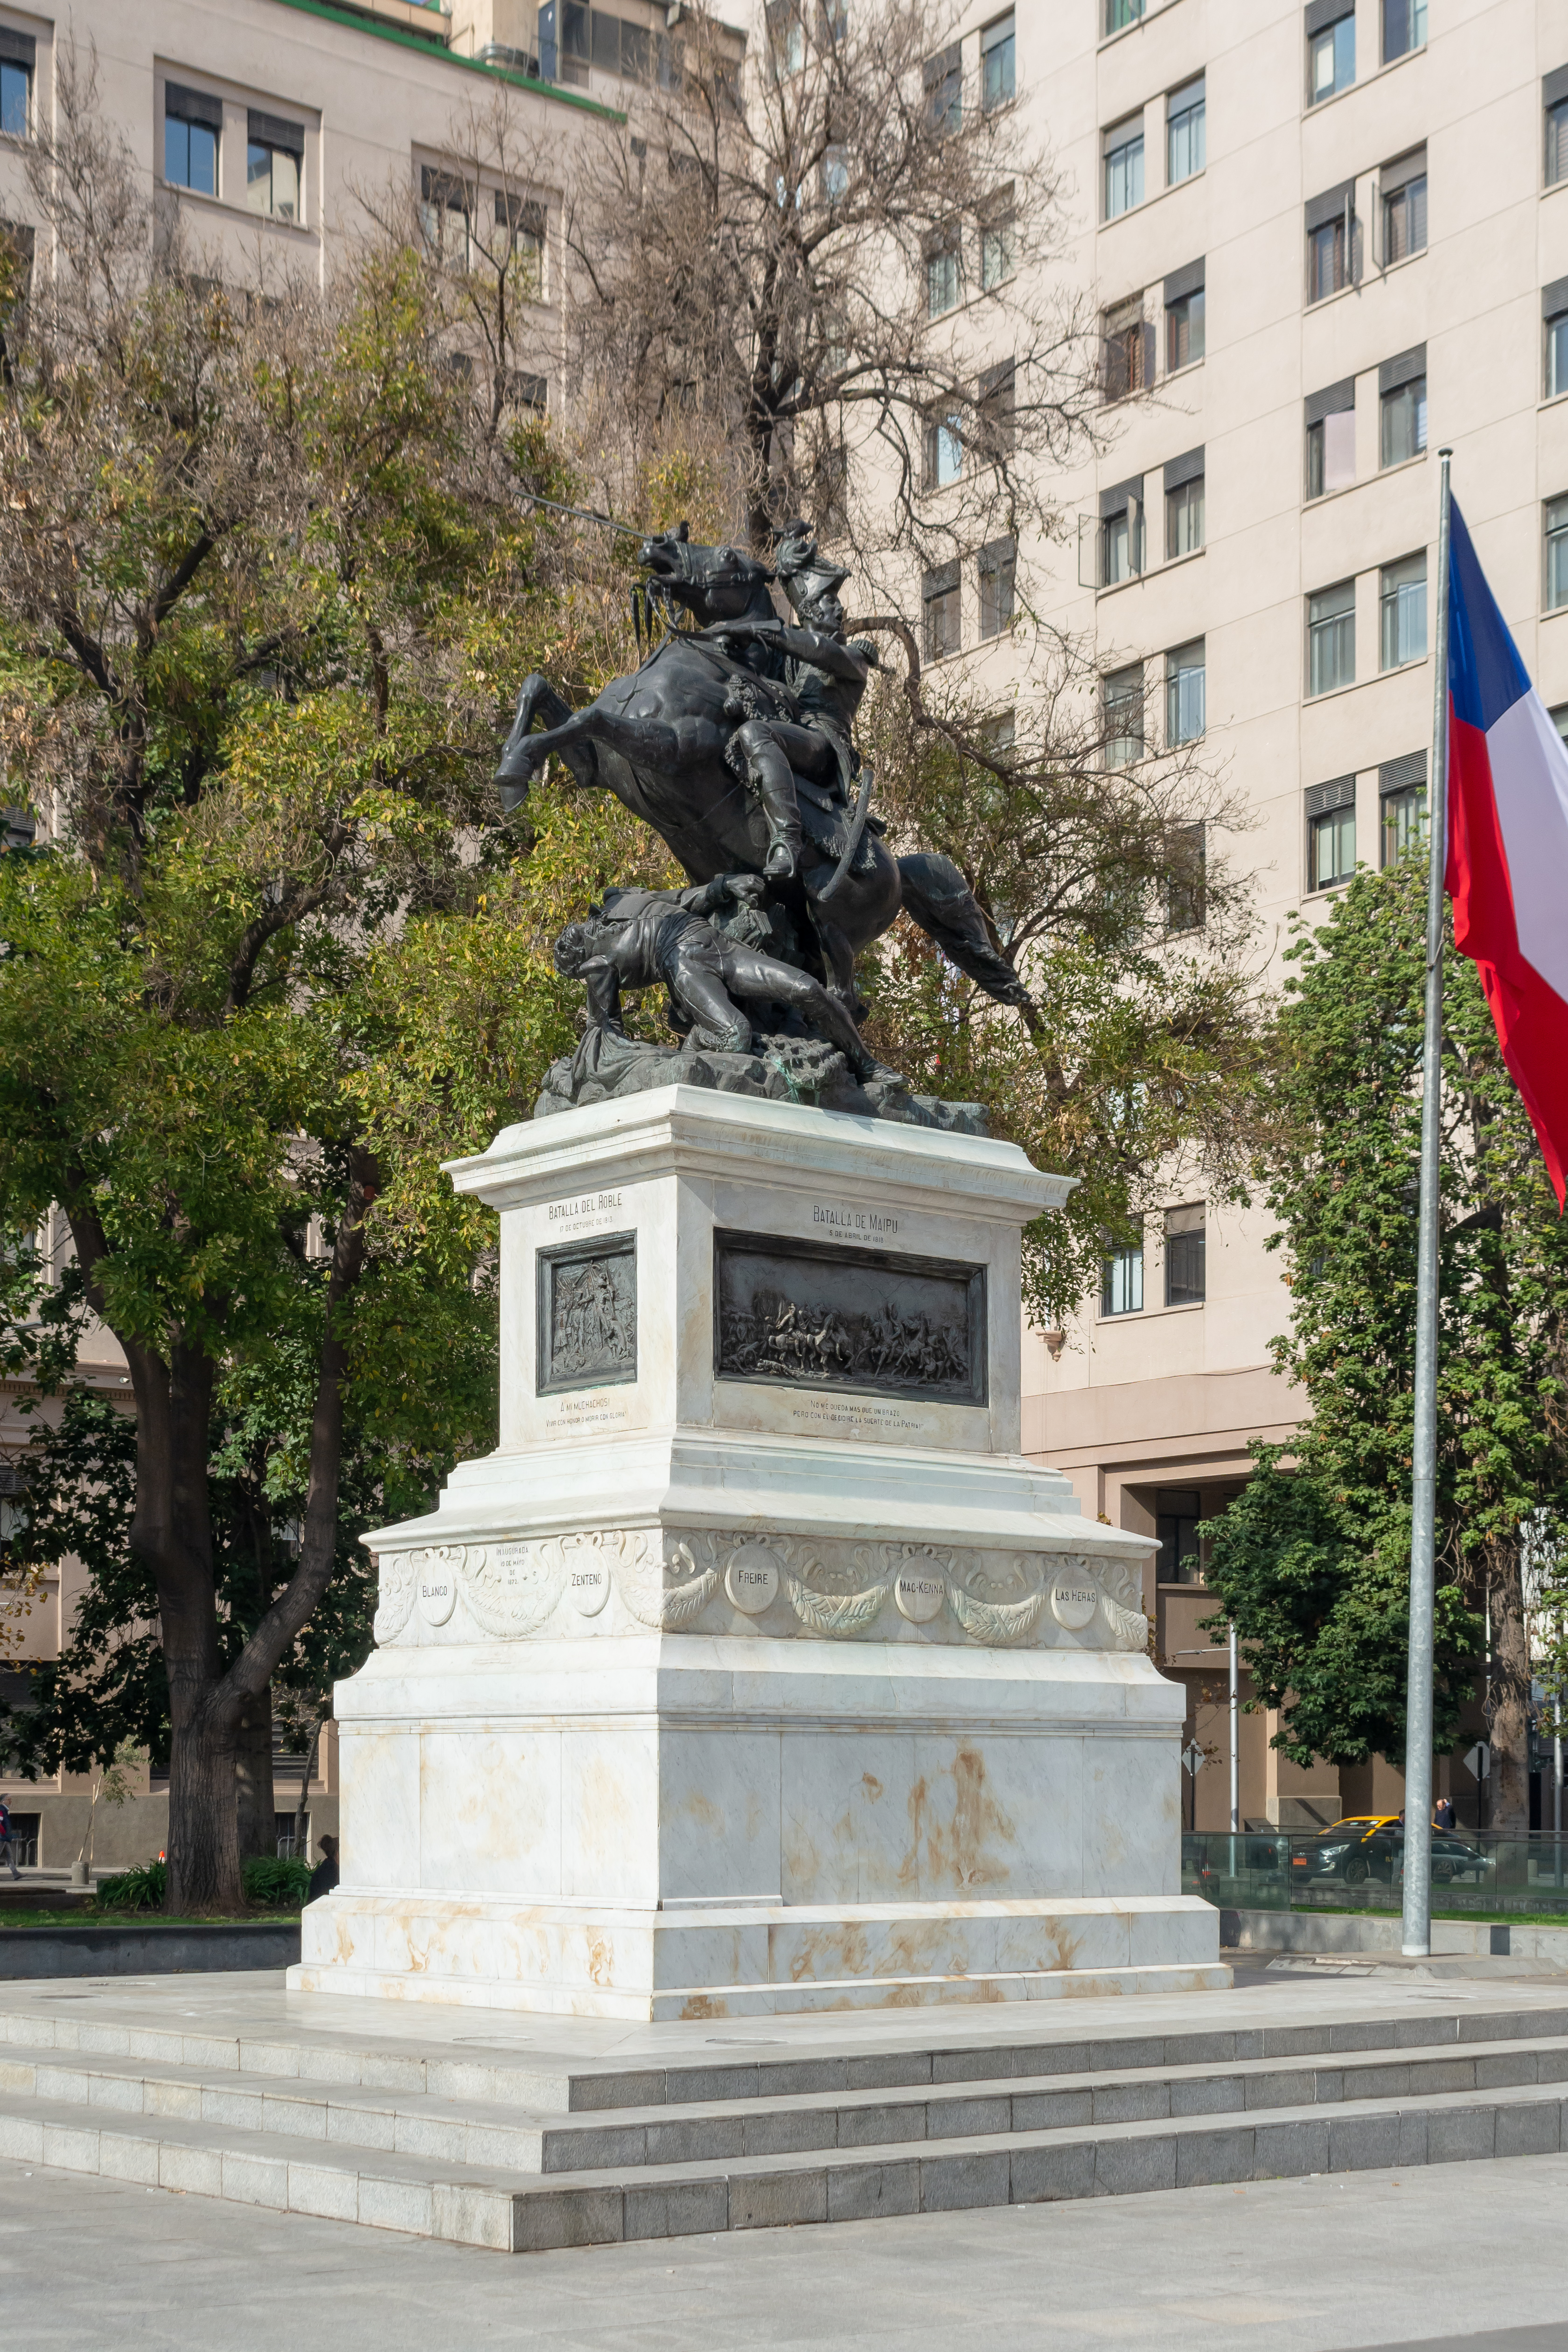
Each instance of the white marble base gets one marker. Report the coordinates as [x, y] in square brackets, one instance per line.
[712, 1696]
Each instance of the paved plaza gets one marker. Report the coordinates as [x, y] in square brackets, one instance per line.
[1470, 2256]
[1441, 2256]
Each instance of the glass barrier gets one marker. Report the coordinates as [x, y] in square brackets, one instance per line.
[1359, 1866]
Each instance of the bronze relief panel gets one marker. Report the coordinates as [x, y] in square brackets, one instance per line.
[587, 1314]
[877, 1322]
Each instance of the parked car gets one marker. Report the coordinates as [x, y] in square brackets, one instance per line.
[1372, 1847]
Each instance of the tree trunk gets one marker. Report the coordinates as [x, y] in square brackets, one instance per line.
[1508, 1812]
[255, 1810]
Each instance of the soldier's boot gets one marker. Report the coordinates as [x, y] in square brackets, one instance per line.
[771, 778]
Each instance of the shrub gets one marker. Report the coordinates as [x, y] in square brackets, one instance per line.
[142, 1889]
[277, 1883]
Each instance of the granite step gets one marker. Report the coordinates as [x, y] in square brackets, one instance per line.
[491, 2073]
[473, 2205]
[492, 2132]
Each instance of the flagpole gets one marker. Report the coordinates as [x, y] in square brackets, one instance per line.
[1417, 1920]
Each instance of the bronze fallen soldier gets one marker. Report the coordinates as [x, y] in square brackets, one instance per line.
[643, 939]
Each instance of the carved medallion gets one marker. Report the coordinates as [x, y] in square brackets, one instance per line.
[920, 1586]
[587, 1314]
[437, 1577]
[751, 1578]
[588, 1574]
[1075, 1597]
[873, 1320]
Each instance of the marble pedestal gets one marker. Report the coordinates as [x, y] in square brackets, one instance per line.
[756, 1671]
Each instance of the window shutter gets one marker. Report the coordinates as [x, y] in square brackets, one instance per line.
[1339, 793]
[1398, 775]
[193, 106]
[940, 580]
[1188, 468]
[274, 131]
[1554, 298]
[1394, 176]
[1333, 401]
[1407, 368]
[1191, 1219]
[18, 48]
[1125, 494]
[1554, 87]
[1321, 14]
[1187, 281]
[1332, 204]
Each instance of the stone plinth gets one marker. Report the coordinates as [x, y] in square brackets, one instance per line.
[756, 1670]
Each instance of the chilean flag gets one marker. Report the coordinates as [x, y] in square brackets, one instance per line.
[1508, 847]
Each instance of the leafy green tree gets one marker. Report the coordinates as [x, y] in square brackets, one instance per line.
[1312, 1561]
[265, 588]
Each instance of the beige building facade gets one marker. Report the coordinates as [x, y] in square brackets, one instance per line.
[1323, 237]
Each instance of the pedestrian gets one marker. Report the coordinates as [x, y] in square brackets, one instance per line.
[7, 1841]
[1443, 1814]
[324, 1877]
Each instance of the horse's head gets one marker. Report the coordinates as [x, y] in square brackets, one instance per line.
[712, 583]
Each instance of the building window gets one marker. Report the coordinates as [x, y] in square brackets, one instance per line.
[1331, 834]
[1122, 707]
[1121, 1280]
[944, 89]
[1184, 508]
[1185, 132]
[1554, 303]
[1178, 1511]
[1186, 892]
[193, 124]
[1121, 539]
[997, 242]
[1127, 353]
[1556, 136]
[1559, 716]
[1330, 247]
[1401, 600]
[1556, 554]
[1184, 693]
[1184, 329]
[1184, 1248]
[1331, 57]
[18, 54]
[1123, 168]
[998, 573]
[1405, 218]
[786, 37]
[1330, 439]
[944, 451]
[1404, 29]
[1119, 14]
[942, 276]
[944, 617]
[274, 166]
[997, 71]
[1402, 420]
[1402, 805]
[1331, 639]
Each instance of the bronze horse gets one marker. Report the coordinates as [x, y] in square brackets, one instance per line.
[658, 741]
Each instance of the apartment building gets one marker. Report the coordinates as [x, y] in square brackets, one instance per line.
[1323, 237]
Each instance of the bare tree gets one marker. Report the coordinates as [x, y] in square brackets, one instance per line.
[790, 259]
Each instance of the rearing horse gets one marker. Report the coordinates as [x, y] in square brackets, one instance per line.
[658, 741]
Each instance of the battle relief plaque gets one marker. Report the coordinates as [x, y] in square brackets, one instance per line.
[872, 1320]
[587, 1310]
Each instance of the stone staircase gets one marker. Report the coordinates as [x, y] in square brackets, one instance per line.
[483, 2147]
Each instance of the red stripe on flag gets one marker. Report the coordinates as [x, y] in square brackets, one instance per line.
[1531, 1018]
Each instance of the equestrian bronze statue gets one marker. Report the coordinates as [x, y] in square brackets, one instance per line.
[733, 739]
